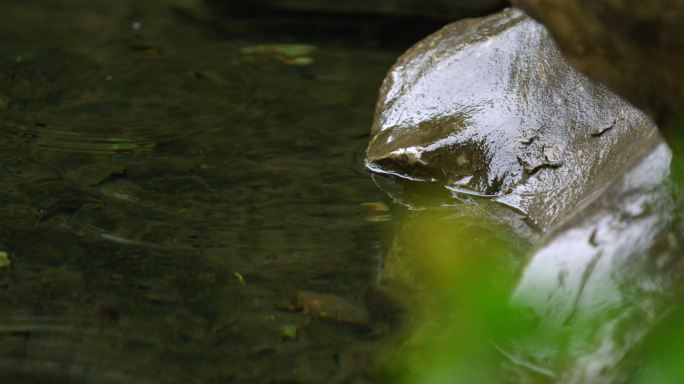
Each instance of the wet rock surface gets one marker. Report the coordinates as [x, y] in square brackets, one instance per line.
[635, 47]
[598, 283]
[489, 107]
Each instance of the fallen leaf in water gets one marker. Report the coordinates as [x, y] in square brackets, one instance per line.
[376, 206]
[4, 260]
[239, 278]
[377, 211]
[291, 54]
[291, 308]
[333, 308]
[289, 332]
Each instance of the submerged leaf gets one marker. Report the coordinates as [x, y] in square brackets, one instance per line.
[4, 260]
[333, 308]
[289, 331]
[291, 54]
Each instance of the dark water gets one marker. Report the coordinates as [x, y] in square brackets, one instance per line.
[168, 183]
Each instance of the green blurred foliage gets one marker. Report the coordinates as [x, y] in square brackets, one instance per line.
[455, 270]
[660, 359]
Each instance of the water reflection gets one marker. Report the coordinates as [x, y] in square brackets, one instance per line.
[453, 269]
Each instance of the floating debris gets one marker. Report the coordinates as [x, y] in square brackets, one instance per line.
[239, 277]
[4, 261]
[290, 54]
[377, 211]
[333, 308]
[289, 332]
[376, 206]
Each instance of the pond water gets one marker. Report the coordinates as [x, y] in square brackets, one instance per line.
[184, 200]
[170, 179]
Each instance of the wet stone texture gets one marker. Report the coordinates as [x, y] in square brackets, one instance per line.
[489, 107]
[599, 283]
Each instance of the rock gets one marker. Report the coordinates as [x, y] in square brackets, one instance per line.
[442, 9]
[591, 292]
[633, 46]
[598, 283]
[488, 107]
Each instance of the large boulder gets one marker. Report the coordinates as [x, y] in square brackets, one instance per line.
[489, 107]
[633, 46]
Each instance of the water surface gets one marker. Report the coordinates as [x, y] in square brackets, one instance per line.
[168, 184]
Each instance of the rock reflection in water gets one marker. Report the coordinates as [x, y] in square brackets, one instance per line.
[452, 270]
